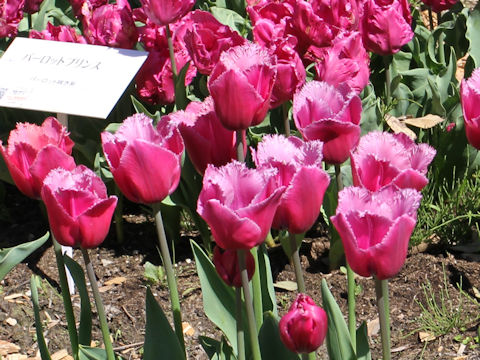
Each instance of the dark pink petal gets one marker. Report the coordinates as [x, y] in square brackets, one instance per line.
[95, 223]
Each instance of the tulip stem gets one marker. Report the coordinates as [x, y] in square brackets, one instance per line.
[99, 305]
[240, 145]
[252, 326]
[430, 18]
[441, 38]
[240, 331]
[381, 290]
[296, 263]
[286, 122]
[352, 323]
[388, 80]
[67, 301]
[257, 291]
[171, 53]
[171, 281]
[119, 216]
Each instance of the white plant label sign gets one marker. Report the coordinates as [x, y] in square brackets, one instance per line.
[69, 78]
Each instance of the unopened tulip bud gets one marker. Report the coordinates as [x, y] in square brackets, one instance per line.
[226, 264]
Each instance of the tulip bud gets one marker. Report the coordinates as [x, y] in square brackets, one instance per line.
[304, 327]
[226, 264]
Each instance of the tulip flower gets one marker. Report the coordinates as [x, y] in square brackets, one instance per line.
[207, 141]
[32, 6]
[383, 158]
[386, 25]
[33, 151]
[164, 12]
[332, 115]
[79, 209]
[239, 204]
[470, 95]
[440, 5]
[207, 38]
[226, 264]
[241, 86]
[58, 33]
[375, 228]
[11, 13]
[299, 166]
[304, 327]
[144, 161]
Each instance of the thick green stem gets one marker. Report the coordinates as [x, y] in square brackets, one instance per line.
[388, 81]
[99, 305]
[67, 301]
[240, 145]
[240, 331]
[119, 216]
[430, 18]
[296, 263]
[171, 53]
[252, 326]
[381, 290]
[257, 291]
[286, 122]
[171, 280]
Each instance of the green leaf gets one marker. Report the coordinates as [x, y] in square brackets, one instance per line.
[473, 36]
[140, 108]
[217, 350]
[338, 338]
[42, 345]
[78, 275]
[218, 297]
[159, 336]
[91, 353]
[269, 300]
[230, 18]
[271, 345]
[363, 349]
[10, 257]
[181, 100]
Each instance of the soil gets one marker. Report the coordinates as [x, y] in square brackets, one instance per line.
[120, 272]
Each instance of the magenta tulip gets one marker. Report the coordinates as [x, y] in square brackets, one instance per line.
[145, 162]
[331, 115]
[383, 158]
[386, 25]
[304, 327]
[440, 5]
[226, 264]
[375, 228]
[207, 141]
[33, 151]
[207, 38]
[79, 209]
[470, 95]
[164, 12]
[299, 166]
[239, 204]
[241, 86]
[11, 13]
[58, 33]
[32, 6]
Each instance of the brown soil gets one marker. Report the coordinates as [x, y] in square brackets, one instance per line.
[124, 300]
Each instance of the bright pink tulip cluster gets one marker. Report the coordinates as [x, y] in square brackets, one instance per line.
[304, 327]
[164, 12]
[470, 96]
[299, 169]
[144, 161]
[375, 228]
[226, 264]
[11, 13]
[331, 115]
[58, 33]
[383, 158]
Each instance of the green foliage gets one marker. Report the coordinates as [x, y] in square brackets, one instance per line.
[42, 345]
[271, 345]
[153, 274]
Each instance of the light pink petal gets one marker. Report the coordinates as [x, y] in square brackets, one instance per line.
[411, 179]
[113, 149]
[371, 173]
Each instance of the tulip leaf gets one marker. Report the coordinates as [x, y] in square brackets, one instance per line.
[42, 345]
[159, 336]
[230, 18]
[363, 349]
[271, 345]
[338, 338]
[85, 327]
[218, 297]
[10, 257]
[269, 300]
[473, 36]
[139, 108]
[217, 350]
[93, 353]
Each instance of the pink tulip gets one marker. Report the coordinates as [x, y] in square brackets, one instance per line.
[164, 12]
[33, 151]
[241, 86]
[345, 61]
[299, 166]
[470, 96]
[111, 25]
[383, 158]
[386, 25]
[239, 204]
[207, 141]
[79, 209]
[11, 12]
[375, 228]
[32, 6]
[332, 115]
[82, 7]
[145, 162]
[58, 33]
[207, 38]
[440, 5]
[226, 264]
[304, 327]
